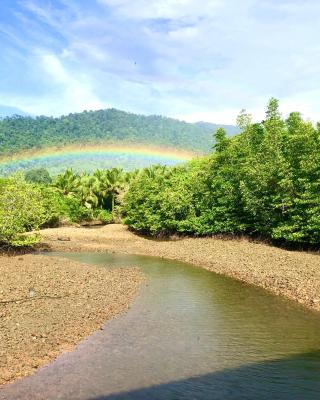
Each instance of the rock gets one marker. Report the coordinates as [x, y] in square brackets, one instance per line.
[64, 239]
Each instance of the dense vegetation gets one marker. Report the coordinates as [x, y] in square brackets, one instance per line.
[23, 132]
[264, 181]
[30, 202]
[22, 209]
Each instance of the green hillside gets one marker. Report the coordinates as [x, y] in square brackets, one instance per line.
[19, 133]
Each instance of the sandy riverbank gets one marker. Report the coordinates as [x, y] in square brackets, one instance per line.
[293, 274]
[48, 304]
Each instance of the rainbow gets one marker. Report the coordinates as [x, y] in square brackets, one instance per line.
[56, 157]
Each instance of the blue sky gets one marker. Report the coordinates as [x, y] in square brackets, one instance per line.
[189, 59]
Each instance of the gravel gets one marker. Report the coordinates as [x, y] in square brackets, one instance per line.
[49, 304]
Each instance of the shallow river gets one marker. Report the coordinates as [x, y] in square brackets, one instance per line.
[190, 334]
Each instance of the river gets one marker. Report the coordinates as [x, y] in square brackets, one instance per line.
[189, 335]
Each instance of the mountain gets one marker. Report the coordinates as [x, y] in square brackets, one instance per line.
[7, 111]
[19, 133]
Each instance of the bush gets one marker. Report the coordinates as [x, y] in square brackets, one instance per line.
[39, 175]
[104, 216]
[75, 211]
[60, 208]
[21, 210]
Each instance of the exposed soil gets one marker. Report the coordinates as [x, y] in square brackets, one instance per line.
[48, 304]
[293, 274]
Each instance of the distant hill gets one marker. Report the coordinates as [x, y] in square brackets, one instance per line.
[18, 133]
[7, 111]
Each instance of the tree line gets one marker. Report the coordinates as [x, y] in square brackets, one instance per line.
[264, 181]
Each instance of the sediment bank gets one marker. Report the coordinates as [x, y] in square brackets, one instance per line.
[293, 274]
[49, 304]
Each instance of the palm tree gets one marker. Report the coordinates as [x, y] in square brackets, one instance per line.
[88, 191]
[154, 170]
[94, 191]
[116, 182]
[67, 183]
[103, 183]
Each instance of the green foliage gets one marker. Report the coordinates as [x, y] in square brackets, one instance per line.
[72, 198]
[39, 175]
[161, 200]
[244, 119]
[21, 210]
[75, 211]
[23, 133]
[265, 181]
[62, 209]
[97, 191]
[104, 216]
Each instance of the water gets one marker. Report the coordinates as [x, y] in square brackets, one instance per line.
[190, 334]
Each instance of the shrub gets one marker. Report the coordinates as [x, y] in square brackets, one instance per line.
[39, 175]
[21, 210]
[104, 216]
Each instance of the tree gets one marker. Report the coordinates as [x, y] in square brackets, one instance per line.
[221, 140]
[115, 178]
[244, 119]
[273, 109]
[39, 175]
[21, 210]
[264, 181]
[67, 183]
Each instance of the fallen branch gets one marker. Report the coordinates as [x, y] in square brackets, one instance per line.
[33, 298]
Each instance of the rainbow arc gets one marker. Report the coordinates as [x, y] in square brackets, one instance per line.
[55, 157]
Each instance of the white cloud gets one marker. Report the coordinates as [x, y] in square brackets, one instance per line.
[68, 92]
[74, 90]
[194, 59]
[226, 116]
[171, 9]
[307, 103]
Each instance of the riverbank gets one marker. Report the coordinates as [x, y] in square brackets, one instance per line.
[49, 304]
[293, 274]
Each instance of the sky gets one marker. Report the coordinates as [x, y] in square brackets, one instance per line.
[196, 60]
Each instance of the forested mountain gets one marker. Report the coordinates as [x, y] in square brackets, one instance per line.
[23, 132]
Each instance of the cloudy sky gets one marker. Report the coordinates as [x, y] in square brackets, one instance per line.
[190, 59]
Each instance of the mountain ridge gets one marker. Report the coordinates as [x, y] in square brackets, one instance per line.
[9, 111]
[19, 133]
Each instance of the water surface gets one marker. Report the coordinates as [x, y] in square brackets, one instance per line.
[190, 334]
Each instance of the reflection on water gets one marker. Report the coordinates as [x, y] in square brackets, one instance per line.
[190, 334]
[296, 377]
